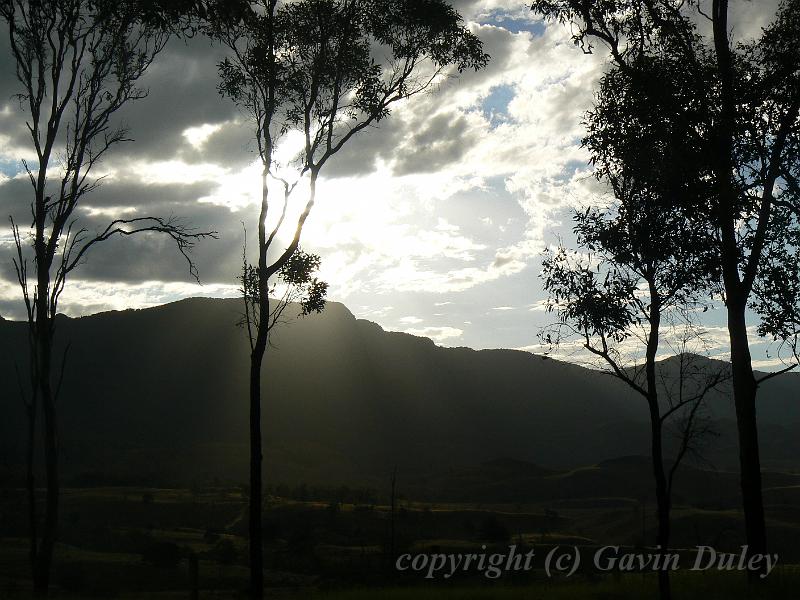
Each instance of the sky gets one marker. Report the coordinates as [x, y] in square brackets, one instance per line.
[433, 223]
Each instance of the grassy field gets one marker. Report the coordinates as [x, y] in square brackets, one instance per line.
[131, 543]
[686, 586]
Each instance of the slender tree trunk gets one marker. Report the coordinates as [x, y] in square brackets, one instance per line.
[256, 468]
[744, 395]
[256, 364]
[30, 481]
[44, 342]
[656, 442]
[663, 501]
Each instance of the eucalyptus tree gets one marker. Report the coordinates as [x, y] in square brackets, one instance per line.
[643, 262]
[616, 296]
[616, 302]
[327, 70]
[77, 63]
[745, 100]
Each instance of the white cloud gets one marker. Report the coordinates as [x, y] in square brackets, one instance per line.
[82, 296]
[437, 334]
[410, 320]
[198, 136]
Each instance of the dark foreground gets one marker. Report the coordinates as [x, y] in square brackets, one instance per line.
[160, 543]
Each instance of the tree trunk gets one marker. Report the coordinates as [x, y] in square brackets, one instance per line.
[44, 341]
[30, 479]
[744, 395]
[656, 442]
[663, 502]
[256, 461]
[737, 292]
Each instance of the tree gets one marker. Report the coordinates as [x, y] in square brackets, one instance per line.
[615, 302]
[308, 66]
[745, 109]
[77, 63]
[645, 271]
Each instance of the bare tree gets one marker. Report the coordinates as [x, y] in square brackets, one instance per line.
[78, 63]
[308, 66]
[742, 109]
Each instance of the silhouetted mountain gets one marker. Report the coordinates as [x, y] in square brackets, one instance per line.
[158, 396]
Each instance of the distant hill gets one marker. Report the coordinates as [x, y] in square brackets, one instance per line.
[159, 396]
[613, 482]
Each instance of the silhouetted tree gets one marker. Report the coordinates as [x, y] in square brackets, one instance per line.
[745, 101]
[615, 309]
[308, 66]
[77, 63]
[642, 263]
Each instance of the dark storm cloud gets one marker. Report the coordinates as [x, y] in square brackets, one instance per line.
[146, 257]
[8, 80]
[182, 86]
[498, 44]
[12, 120]
[441, 140]
[16, 194]
[233, 145]
[182, 93]
[154, 257]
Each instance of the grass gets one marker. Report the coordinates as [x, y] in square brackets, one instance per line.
[782, 585]
[317, 553]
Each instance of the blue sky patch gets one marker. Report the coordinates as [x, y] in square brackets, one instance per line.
[515, 24]
[569, 170]
[495, 105]
[9, 167]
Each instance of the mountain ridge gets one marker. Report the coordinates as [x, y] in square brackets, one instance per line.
[159, 394]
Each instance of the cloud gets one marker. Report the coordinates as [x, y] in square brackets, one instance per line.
[442, 140]
[82, 296]
[195, 150]
[440, 335]
[410, 320]
[453, 196]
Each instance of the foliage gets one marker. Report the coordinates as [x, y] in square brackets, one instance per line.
[311, 65]
[296, 283]
[647, 249]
